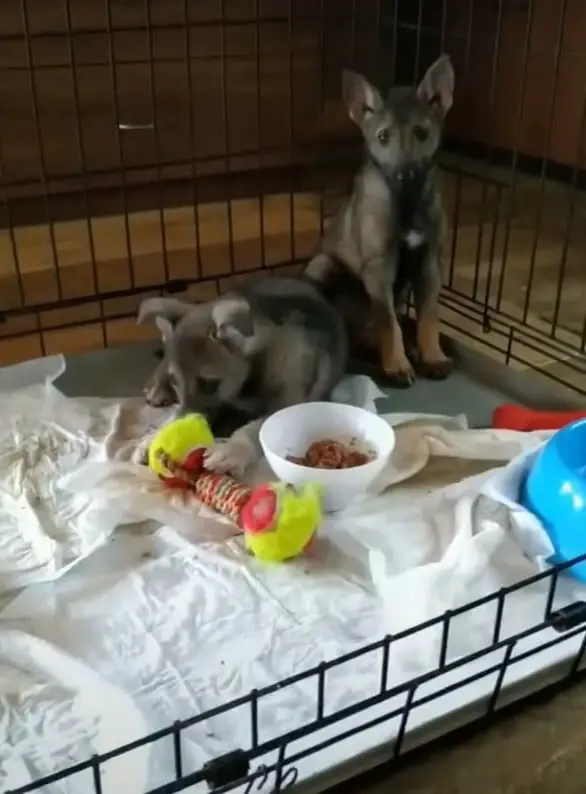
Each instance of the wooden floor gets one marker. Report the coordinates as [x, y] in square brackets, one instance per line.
[494, 256]
[176, 231]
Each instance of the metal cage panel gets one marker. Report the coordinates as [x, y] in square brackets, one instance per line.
[177, 146]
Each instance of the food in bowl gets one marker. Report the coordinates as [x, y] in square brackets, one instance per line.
[327, 453]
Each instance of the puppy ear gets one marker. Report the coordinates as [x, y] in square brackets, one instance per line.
[232, 320]
[437, 86]
[166, 313]
[361, 98]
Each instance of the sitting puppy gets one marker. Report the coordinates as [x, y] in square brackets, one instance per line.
[273, 343]
[389, 233]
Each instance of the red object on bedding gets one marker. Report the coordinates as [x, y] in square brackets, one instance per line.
[516, 417]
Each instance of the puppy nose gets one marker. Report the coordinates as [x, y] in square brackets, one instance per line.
[421, 133]
[207, 388]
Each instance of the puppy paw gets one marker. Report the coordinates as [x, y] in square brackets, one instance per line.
[401, 377]
[233, 457]
[436, 370]
[158, 395]
[140, 453]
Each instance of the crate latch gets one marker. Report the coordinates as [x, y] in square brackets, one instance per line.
[568, 617]
[225, 769]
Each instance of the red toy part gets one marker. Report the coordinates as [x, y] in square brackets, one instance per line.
[259, 513]
[516, 417]
[193, 464]
[194, 460]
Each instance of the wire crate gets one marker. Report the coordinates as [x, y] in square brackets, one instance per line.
[178, 147]
[276, 764]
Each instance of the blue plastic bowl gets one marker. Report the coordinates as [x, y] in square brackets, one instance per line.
[555, 491]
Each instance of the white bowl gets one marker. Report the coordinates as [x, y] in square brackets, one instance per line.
[291, 431]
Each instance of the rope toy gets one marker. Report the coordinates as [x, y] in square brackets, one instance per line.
[278, 522]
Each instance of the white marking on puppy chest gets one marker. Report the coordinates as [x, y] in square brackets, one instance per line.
[413, 239]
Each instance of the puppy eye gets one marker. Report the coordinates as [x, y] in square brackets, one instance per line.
[208, 385]
[383, 136]
[421, 133]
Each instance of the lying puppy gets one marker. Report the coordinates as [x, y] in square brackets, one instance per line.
[273, 343]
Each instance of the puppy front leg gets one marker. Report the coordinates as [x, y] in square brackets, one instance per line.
[237, 453]
[158, 390]
[242, 449]
[378, 283]
[433, 362]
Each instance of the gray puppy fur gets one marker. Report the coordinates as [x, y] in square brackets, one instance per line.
[390, 231]
[272, 343]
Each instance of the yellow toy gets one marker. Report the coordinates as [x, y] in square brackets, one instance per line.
[179, 439]
[278, 522]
